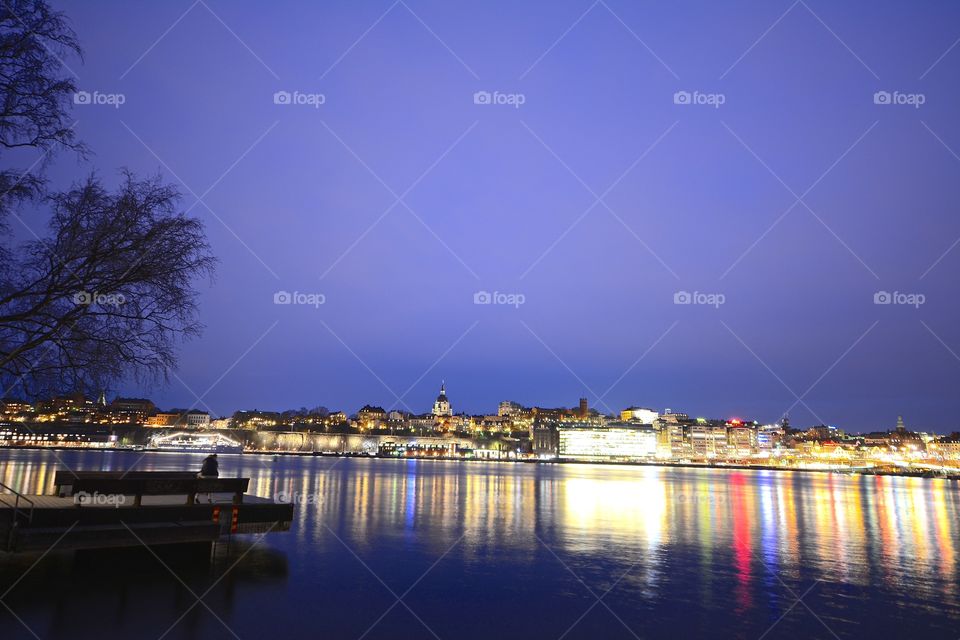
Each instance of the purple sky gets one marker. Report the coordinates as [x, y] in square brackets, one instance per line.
[497, 197]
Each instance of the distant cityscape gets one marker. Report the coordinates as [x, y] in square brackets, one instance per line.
[514, 432]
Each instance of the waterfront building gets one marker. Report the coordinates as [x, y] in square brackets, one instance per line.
[947, 447]
[616, 441]
[769, 436]
[672, 441]
[57, 436]
[546, 441]
[741, 440]
[708, 440]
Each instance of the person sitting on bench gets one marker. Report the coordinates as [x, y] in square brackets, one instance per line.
[210, 467]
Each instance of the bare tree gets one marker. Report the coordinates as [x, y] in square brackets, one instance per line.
[34, 95]
[110, 292]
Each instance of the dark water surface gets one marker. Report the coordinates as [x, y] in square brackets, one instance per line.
[488, 550]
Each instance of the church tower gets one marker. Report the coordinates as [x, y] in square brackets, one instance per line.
[442, 406]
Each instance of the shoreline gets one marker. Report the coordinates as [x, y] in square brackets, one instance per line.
[951, 474]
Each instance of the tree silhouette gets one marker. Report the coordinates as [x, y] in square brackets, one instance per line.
[109, 292]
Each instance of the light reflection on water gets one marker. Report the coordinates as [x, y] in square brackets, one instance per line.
[691, 550]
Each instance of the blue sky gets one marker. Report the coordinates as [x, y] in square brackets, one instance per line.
[740, 151]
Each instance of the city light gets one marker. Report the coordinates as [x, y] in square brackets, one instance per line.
[578, 434]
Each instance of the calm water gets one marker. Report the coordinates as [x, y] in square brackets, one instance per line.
[480, 550]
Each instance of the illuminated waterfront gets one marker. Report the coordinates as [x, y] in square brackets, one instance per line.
[681, 550]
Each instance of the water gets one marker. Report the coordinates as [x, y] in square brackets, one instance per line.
[481, 550]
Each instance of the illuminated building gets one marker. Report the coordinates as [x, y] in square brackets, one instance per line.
[493, 424]
[741, 440]
[948, 447]
[441, 408]
[197, 419]
[72, 408]
[14, 407]
[640, 415]
[671, 441]
[131, 410]
[708, 440]
[192, 419]
[823, 432]
[612, 442]
[769, 436]
[255, 419]
[509, 408]
[56, 436]
[422, 423]
[163, 420]
[370, 417]
[546, 441]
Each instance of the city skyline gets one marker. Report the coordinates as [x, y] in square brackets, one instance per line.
[443, 407]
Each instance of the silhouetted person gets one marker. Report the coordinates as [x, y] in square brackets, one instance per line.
[210, 468]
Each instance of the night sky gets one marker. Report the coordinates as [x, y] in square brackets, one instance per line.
[780, 187]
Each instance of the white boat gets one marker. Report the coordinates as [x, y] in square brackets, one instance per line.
[195, 443]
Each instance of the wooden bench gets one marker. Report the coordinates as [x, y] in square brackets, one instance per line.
[147, 483]
[64, 480]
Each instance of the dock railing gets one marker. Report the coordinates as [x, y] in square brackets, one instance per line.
[16, 510]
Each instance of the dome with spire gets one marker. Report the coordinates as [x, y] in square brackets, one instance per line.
[442, 406]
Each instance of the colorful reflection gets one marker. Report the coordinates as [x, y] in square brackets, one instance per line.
[749, 526]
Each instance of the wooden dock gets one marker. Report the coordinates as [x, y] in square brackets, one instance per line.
[97, 510]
